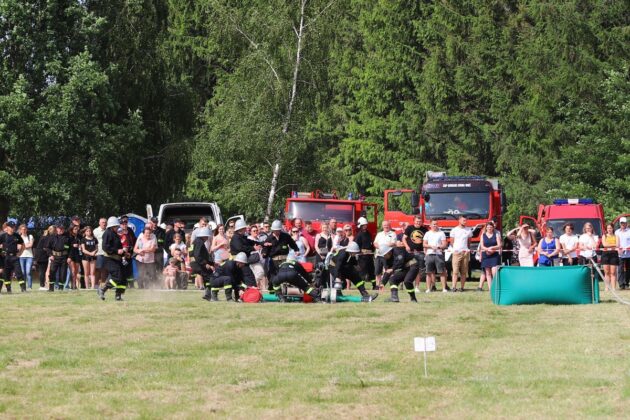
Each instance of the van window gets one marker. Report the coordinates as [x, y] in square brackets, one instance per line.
[189, 214]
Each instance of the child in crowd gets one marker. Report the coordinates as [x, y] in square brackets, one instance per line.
[170, 273]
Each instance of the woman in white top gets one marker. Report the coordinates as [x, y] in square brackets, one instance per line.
[526, 245]
[569, 243]
[179, 244]
[144, 250]
[26, 257]
[302, 244]
[587, 243]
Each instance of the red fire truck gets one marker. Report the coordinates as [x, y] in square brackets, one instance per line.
[445, 198]
[319, 207]
[575, 210]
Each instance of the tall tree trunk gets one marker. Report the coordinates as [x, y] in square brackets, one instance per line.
[272, 191]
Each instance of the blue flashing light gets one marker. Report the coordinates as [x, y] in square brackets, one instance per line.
[573, 201]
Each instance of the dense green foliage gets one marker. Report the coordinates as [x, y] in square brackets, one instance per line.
[105, 106]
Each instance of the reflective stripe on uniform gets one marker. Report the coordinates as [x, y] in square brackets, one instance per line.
[359, 284]
[393, 286]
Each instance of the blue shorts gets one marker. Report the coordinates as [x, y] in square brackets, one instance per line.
[100, 262]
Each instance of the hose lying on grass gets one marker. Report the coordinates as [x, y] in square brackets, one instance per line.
[608, 285]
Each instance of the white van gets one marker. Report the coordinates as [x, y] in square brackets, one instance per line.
[189, 213]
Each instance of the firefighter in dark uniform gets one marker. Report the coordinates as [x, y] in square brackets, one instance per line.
[240, 242]
[128, 240]
[114, 252]
[292, 272]
[232, 275]
[343, 266]
[201, 261]
[366, 257]
[58, 247]
[400, 267]
[12, 244]
[277, 248]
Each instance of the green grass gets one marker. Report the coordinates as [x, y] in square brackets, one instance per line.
[161, 354]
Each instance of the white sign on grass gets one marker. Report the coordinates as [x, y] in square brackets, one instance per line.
[424, 344]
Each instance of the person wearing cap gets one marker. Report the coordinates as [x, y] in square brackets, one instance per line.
[201, 261]
[366, 257]
[169, 238]
[160, 237]
[240, 242]
[12, 245]
[343, 267]
[231, 276]
[623, 242]
[58, 247]
[399, 267]
[276, 248]
[114, 252]
[293, 273]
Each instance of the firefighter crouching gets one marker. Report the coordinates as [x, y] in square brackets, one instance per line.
[277, 248]
[114, 253]
[343, 266]
[201, 262]
[292, 272]
[231, 276]
[400, 267]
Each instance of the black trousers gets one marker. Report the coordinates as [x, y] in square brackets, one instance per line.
[624, 272]
[292, 277]
[116, 279]
[406, 277]
[41, 270]
[58, 266]
[366, 267]
[12, 266]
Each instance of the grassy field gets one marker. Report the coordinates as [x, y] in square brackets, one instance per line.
[171, 354]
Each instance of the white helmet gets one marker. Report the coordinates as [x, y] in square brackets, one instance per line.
[203, 232]
[362, 221]
[382, 251]
[353, 247]
[276, 225]
[241, 257]
[240, 224]
[112, 221]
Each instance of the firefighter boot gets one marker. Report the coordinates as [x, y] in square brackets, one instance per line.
[314, 293]
[237, 298]
[22, 286]
[365, 296]
[228, 295]
[119, 295]
[394, 297]
[207, 295]
[412, 296]
[8, 287]
[214, 295]
[374, 285]
[51, 288]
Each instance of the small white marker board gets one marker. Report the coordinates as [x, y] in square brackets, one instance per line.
[424, 344]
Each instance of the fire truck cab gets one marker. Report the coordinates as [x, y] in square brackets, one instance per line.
[319, 208]
[577, 211]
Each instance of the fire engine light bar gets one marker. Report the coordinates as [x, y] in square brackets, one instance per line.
[573, 201]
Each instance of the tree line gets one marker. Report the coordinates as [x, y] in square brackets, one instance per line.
[107, 106]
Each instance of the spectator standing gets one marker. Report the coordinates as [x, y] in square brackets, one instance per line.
[220, 245]
[623, 242]
[257, 267]
[347, 229]
[548, 249]
[323, 242]
[526, 246]
[101, 271]
[610, 256]
[144, 250]
[588, 243]
[26, 256]
[302, 244]
[42, 256]
[384, 241]
[89, 249]
[434, 242]
[413, 239]
[309, 234]
[569, 243]
[490, 253]
[75, 256]
[128, 240]
[460, 237]
[160, 237]
[178, 243]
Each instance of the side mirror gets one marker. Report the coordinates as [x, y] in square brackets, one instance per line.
[415, 200]
[426, 197]
[415, 210]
